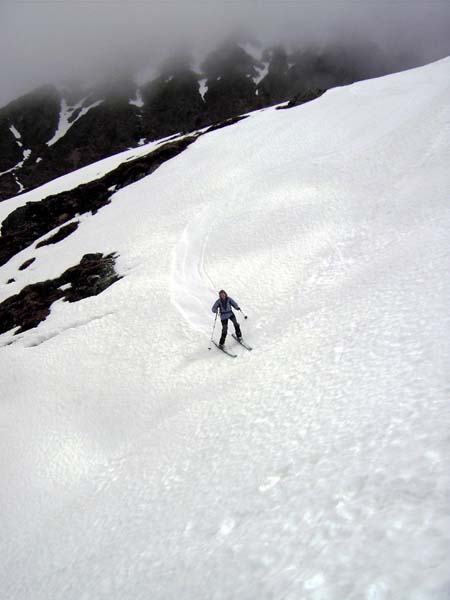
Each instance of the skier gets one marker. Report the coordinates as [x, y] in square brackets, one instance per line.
[224, 305]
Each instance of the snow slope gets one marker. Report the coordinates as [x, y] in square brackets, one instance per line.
[136, 464]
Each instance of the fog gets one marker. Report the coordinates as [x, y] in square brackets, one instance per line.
[48, 40]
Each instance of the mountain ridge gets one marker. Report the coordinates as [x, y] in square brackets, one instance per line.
[70, 126]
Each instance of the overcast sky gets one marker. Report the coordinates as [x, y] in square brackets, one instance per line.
[46, 40]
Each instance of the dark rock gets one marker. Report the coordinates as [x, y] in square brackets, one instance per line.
[74, 116]
[31, 306]
[274, 87]
[10, 281]
[62, 233]
[92, 276]
[230, 59]
[225, 123]
[231, 88]
[173, 102]
[232, 96]
[106, 129]
[11, 153]
[28, 308]
[35, 116]
[320, 69]
[33, 220]
[26, 264]
[8, 186]
[133, 170]
[302, 98]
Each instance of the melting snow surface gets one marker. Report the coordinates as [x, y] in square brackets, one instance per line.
[203, 87]
[137, 464]
[16, 134]
[26, 153]
[66, 112]
[138, 100]
[262, 72]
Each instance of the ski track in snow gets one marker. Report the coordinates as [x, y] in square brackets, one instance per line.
[136, 464]
[191, 287]
[396, 433]
[192, 290]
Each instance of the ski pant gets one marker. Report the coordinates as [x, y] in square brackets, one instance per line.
[225, 328]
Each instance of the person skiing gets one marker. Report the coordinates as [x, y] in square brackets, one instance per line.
[224, 305]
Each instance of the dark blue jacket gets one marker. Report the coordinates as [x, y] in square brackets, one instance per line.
[225, 307]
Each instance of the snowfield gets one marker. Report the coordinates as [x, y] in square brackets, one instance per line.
[136, 464]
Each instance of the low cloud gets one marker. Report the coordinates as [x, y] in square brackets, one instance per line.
[45, 41]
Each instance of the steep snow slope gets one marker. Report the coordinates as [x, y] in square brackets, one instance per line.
[136, 464]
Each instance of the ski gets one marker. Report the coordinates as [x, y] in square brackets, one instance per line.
[224, 350]
[242, 343]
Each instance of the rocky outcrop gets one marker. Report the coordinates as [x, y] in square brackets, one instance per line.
[172, 102]
[11, 153]
[27, 124]
[225, 123]
[274, 87]
[9, 186]
[302, 98]
[60, 235]
[28, 223]
[114, 116]
[106, 129]
[26, 264]
[230, 73]
[94, 274]
[90, 277]
[108, 124]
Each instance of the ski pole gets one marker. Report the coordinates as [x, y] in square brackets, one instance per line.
[212, 334]
[245, 316]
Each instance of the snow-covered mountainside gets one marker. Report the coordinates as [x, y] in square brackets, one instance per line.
[136, 463]
[60, 128]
